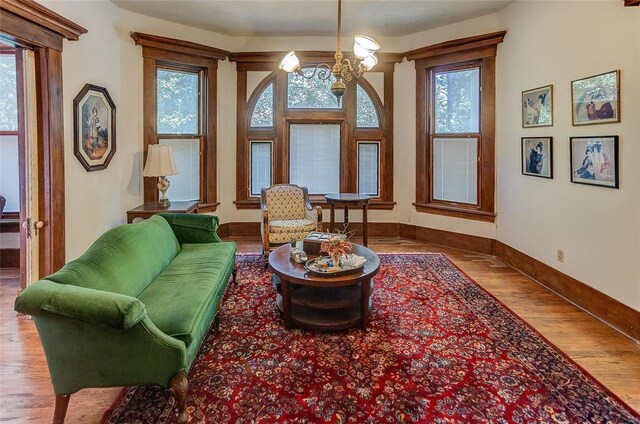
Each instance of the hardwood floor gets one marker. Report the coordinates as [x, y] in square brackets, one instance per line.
[613, 359]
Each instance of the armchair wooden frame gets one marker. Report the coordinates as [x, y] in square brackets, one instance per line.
[266, 244]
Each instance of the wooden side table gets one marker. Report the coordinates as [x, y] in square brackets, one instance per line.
[149, 209]
[345, 200]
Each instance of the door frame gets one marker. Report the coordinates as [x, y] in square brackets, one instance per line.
[28, 24]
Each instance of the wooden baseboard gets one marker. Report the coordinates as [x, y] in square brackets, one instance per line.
[598, 304]
[9, 258]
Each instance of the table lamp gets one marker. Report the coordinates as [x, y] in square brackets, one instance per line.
[160, 164]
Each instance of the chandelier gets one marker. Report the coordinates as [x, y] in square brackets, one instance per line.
[364, 49]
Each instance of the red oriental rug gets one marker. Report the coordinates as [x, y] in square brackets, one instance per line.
[439, 349]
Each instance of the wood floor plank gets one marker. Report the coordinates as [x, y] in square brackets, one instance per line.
[612, 358]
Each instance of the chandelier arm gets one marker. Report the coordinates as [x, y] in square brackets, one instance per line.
[323, 71]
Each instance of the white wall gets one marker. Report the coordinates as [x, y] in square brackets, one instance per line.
[598, 228]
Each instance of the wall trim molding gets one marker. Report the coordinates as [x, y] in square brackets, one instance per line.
[618, 315]
[603, 307]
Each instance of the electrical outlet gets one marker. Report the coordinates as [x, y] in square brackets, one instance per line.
[560, 255]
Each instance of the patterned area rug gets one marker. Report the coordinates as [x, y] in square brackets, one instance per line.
[439, 349]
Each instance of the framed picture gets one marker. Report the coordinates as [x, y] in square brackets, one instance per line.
[94, 127]
[594, 160]
[537, 107]
[596, 99]
[537, 156]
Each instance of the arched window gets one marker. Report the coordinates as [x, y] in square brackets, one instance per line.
[293, 130]
[262, 115]
[313, 93]
[366, 113]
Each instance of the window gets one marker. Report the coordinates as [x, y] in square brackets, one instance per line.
[368, 168]
[179, 102]
[366, 114]
[9, 177]
[263, 111]
[456, 112]
[455, 163]
[314, 157]
[293, 130]
[261, 155]
[8, 99]
[314, 93]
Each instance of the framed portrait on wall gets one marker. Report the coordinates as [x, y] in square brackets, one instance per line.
[594, 160]
[537, 107]
[596, 99]
[537, 156]
[94, 127]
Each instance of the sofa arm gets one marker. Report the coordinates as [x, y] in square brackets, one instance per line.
[193, 228]
[89, 305]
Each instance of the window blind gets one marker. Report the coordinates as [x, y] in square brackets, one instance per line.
[186, 185]
[455, 169]
[260, 166]
[368, 164]
[314, 157]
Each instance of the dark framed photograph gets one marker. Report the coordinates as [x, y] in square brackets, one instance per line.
[537, 107]
[537, 156]
[94, 127]
[594, 160]
[596, 99]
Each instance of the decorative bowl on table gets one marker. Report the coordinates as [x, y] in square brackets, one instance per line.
[323, 266]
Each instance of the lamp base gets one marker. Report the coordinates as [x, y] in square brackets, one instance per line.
[163, 186]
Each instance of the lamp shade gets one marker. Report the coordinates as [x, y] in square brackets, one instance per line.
[289, 62]
[370, 62]
[364, 46]
[160, 162]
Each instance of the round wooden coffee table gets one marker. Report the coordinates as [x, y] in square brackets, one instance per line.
[323, 303]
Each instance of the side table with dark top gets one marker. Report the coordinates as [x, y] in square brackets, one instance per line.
[323, 303]
[149, 209]
[346, 200]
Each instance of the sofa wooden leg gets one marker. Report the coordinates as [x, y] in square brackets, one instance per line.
[62, 402]
[179, 387]
[216, 322]
[235, 275]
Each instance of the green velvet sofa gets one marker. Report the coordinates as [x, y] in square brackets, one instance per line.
[133, 309]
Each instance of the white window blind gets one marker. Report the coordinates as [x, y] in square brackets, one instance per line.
[186, 185]
[368, 165]
[260, 166]
[455, 169]
[314, 157]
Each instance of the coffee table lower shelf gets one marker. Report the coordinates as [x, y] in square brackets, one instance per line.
[321, 318]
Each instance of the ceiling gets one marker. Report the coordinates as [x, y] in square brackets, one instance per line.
[313, 17]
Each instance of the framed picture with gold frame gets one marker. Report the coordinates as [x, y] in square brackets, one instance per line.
[596, 99]
[537, 107]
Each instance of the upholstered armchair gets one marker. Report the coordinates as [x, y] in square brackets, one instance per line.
[287, 214]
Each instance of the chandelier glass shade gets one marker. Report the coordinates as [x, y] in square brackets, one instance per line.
[364, 49]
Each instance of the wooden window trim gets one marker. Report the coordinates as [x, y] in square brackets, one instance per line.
[481, 49]
[267, 61]
[170, 53]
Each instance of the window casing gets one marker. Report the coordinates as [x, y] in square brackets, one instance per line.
[455, 127]
[292, 115]
[179, 126]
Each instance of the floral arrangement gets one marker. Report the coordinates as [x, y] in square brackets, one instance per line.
[337, 246]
